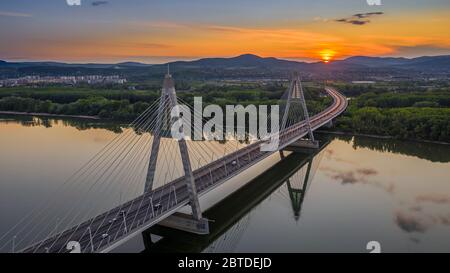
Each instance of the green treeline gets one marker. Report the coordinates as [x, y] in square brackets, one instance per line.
[396, 100]
[92, 106]
[401, 110]
[410, 115]
[403, 123]
[128, 104]
[64, 94]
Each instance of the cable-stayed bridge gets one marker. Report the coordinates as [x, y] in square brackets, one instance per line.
[201, 167]
[289, 180]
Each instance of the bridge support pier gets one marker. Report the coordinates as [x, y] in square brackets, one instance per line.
[187, 223]
[305, 143]
[303, 146]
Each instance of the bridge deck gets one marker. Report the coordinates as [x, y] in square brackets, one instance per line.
[134, 216]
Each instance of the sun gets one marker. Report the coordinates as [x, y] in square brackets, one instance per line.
[327, 55]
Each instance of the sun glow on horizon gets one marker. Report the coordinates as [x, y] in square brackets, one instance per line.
[327, 55]
[157, 40]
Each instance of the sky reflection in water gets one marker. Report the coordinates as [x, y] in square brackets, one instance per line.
[397, 193]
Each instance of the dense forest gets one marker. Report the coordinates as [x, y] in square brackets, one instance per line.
[128, 104]
[398, 112]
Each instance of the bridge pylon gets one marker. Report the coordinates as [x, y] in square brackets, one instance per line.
[195, 223]
[295, 93]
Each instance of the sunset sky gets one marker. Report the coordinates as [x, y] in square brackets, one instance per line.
[160, 31]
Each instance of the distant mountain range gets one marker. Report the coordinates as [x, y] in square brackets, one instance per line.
[250, 60]
[420, 63]
[60, 64]
[247, 65]
[246, 60]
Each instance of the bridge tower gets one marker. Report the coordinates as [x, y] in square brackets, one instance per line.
[295, 93]
[196, 223]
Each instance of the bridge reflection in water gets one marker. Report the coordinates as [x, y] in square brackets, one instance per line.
[290, 179]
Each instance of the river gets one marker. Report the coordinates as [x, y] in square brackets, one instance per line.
[358, 190]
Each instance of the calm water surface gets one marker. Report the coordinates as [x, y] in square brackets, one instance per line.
[354, 191]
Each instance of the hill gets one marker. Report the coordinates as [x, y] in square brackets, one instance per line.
[244, 66]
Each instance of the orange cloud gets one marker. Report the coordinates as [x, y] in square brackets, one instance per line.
[316, 40]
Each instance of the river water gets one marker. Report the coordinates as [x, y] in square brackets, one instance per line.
[355, 190]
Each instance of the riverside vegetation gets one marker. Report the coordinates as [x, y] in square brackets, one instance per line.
[402, 110]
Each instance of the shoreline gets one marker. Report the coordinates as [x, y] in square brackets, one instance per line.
[379, 137]
[14, 113]
[47, 115]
